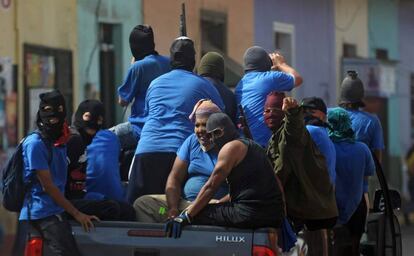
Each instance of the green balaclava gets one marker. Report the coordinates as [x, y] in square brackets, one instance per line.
[212, 65]
[341, 126]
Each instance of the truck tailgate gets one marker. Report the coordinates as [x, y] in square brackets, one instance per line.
[142, 239]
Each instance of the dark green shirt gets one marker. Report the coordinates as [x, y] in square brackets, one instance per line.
[302, 170]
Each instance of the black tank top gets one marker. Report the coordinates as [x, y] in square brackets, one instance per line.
[253, 179]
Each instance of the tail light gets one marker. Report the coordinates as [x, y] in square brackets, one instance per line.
[34, 247]
[262, 251]
[271, 250]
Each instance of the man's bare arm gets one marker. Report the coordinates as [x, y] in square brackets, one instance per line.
[279, 64]
[122, 102]
[229, 156]
[173, 187]
[50, 188]
[378, 154]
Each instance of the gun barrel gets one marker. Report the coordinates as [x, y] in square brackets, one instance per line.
[183, 23]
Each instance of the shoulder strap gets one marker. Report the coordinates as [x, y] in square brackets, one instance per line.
[47, 143]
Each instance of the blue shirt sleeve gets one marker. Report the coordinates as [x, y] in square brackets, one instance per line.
[377, 139]
[37, 155]
[282, 81]
[130, 85]
[185, 150]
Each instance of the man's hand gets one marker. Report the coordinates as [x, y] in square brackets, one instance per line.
[277, 60]
[122, 102]
[173, 227]
[289, 103]
[85, 220]
[172, 213]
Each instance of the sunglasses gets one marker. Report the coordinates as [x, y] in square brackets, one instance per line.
[218, 132]
[273, 110]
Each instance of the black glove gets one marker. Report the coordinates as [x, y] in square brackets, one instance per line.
[173, 227]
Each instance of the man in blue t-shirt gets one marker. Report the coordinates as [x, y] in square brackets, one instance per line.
[263, 74]
[46, 165]
[170, 99]
[366, 126]
[192, 168]
[87, 125]
[354, 163]
[314, 110]
[147, 66]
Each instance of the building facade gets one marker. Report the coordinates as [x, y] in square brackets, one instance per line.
[304, 32]
[104, 55]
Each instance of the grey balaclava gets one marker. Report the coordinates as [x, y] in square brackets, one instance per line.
[352, 89]
[223, 121]
[256, 59]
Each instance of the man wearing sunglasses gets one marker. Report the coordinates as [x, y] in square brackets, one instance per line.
[255, 198]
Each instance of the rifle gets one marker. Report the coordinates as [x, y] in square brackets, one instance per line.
[243, 123]
[183, 23]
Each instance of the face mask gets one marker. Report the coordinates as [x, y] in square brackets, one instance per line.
[50, 120]
[219, 138]
[89, 115]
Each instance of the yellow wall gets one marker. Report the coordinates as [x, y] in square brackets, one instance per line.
[7, 36]
[163, 16]
[49, 23]
[351, 26]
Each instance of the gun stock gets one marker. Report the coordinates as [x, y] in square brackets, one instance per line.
[244, 124]
[183, 23]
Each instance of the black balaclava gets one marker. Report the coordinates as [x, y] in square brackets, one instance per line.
[313, 103]
[141, 42]
[257, 59]
[182, 54]
[52, 105]
[96, 111]
[221, 121]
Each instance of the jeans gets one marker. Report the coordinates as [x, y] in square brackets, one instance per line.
[57, 235]
[128, 135]
[106, 209]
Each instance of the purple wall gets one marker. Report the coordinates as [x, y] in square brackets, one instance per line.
[314, 23]
[405, 69]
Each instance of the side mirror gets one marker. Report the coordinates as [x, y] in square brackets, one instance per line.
[379, 203]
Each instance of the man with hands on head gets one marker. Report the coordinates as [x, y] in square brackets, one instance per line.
[264, 73]
[255, 198]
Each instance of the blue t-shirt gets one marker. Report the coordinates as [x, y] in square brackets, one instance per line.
[368, 130]
[170, 100]
[353, 163]
[36, 156]
[136, 83]
[102, 171]
[251, 93]
[326, 147]
[200, 167]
